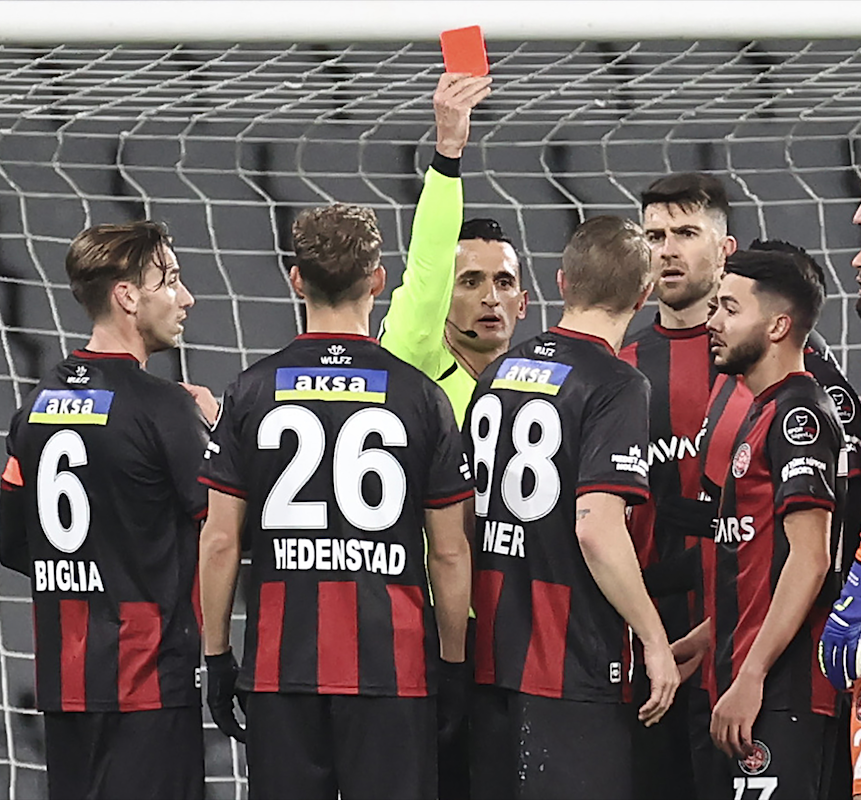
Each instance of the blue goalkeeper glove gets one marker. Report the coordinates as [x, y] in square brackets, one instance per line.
[839, 654]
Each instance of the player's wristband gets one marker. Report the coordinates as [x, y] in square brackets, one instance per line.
[450, 167]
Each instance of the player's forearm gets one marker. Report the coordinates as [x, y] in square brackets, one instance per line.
[450, 573]
[610, 557]
[451, 582]
[219, 568]
[799, 582]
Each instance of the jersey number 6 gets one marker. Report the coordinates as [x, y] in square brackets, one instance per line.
[350, 464]
[52, 484]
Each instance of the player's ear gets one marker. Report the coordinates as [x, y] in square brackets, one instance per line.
[125, 294]
[378, 280]
[296, 282]
[780, 327]
[524, 300]
[644, 295]
[730, 245]
[562, 283]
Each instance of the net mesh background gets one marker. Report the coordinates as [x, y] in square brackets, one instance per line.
[227, 143]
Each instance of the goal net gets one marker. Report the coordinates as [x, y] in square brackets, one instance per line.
[227, 143]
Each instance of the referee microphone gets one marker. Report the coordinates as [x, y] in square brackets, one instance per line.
[470, 334]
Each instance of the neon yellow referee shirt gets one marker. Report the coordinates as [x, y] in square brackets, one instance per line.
[414, 328]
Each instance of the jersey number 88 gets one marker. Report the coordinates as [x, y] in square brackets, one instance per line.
[533, 454]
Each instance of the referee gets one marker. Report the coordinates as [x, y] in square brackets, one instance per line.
[458, 304]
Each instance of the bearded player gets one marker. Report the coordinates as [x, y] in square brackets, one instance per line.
[776, 533]
[685, 217]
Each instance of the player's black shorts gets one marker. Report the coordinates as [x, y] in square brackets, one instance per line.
[310, 747]
[662, 752]
[792, 760]
[539, 748]
[134, 755]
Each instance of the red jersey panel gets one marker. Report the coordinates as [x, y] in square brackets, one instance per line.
[679, 367]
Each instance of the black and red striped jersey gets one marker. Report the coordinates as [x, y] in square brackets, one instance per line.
[730, 401]
[679, 367]
[101, 507]
[788, 455]
[556, 417]
[337, 447]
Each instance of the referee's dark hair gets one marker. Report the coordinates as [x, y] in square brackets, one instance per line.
[337, 249]
[689, 191]
[488, 230]
[607, 264]
[102, 256]
[784, 276]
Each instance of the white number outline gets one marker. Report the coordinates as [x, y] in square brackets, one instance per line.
[52, 483]
[351, 462]
[767, 786]
[537, 457]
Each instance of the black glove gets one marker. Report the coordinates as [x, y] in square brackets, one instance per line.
[221, 673]
[681, 516]
[452, 693]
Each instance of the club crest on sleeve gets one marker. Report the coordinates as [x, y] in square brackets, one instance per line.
[741, 460]
[844, 401]
[758, 761]
[800, 426]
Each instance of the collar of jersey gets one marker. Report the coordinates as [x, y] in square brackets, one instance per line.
[588, 337]
[93, 355]
[355, 337]
[766, 394]
[679, 333]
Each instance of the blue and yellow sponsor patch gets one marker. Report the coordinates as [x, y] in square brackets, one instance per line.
[72, 407]
[331, 383]
[528, 375]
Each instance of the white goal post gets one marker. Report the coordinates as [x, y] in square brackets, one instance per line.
[225, 118]
[414, 20]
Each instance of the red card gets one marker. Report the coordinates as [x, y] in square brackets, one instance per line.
[463, 50]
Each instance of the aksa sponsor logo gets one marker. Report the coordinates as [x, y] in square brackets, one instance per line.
[845, 403]
[741, 460]
[758, 761]
[800, 426]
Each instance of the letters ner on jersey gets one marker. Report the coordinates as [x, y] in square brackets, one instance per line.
[337, 447]
[556, 417]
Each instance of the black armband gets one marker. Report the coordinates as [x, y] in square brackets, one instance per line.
[450, 167]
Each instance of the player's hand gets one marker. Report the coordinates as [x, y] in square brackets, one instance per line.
[455, 96]
[734, 715]
[664, 679]
[839, 654]
[690, 650]
[221, 673]
[205, 400]
[452, 696]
